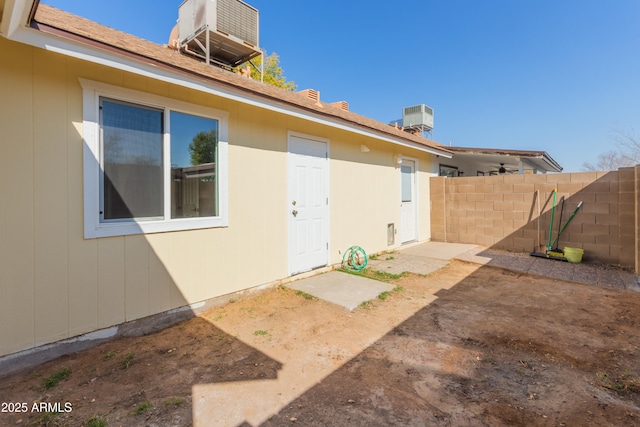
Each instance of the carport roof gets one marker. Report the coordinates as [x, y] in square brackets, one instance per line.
[490, 157]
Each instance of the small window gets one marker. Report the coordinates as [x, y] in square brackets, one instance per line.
[407, 184]
[449, 171]
[151, 164]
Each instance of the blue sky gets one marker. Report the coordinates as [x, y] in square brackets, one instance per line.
[556, 75]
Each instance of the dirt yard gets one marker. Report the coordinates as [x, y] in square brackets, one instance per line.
[489, 348]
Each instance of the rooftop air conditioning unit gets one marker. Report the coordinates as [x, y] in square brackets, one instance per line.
[418, 116]
[222, 31]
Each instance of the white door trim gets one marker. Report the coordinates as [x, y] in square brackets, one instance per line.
[292, 266]
[416, 201]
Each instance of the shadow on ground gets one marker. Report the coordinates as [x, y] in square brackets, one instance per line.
[499, 348]
[118, 379]
[495, 348]
[597, 274]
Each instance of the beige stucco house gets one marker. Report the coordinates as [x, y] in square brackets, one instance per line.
[105, 217]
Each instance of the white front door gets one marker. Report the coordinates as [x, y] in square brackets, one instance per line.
[408, 202]
[307, 204]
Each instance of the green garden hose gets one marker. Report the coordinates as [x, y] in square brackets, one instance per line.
[355, 259]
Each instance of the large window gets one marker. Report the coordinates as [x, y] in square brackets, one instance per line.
[151, 164]
[131, 177]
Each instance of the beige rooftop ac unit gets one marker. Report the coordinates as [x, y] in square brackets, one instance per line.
[221, 31]
[418, 116]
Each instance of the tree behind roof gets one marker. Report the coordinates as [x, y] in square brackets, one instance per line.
[273, 72]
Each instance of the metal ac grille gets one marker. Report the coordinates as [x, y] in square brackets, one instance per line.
[418, 116]
[238, 19]
[413, 110]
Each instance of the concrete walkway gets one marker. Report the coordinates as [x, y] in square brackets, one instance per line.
[350, 291]
[422, 258]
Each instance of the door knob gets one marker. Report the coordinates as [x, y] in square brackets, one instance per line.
[293, 203]
[294, 212]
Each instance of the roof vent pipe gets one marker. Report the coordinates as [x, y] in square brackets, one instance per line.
[174, 40]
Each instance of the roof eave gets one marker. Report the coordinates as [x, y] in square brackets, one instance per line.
[16, 15]
[555, 166]
[540, 159]
[69, 44]
[542, 162]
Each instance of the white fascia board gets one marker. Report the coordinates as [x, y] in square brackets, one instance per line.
[15, 16]
[87, 53]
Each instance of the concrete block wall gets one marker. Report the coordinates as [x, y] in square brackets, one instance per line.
[513, 212]
[636, 228]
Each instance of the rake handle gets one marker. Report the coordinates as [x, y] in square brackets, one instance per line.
[567, 223]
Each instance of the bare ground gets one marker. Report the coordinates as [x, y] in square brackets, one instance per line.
[490, 348]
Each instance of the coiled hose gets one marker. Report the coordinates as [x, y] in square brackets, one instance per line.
[355, 259]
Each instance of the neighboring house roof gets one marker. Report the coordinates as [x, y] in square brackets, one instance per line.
[489, 159]
[85, 34]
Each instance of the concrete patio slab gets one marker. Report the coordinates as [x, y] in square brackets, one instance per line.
[346, 290]
[401, 262]
[422, 258]
[437, 250]
[349, 291]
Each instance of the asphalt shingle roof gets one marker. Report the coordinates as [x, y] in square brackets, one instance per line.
[63, 24]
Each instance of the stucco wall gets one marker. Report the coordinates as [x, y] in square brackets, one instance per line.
[56, 284]
[502, 212]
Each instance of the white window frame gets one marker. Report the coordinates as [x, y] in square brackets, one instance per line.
[93, 228]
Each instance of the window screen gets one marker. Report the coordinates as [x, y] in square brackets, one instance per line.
[131, 146]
